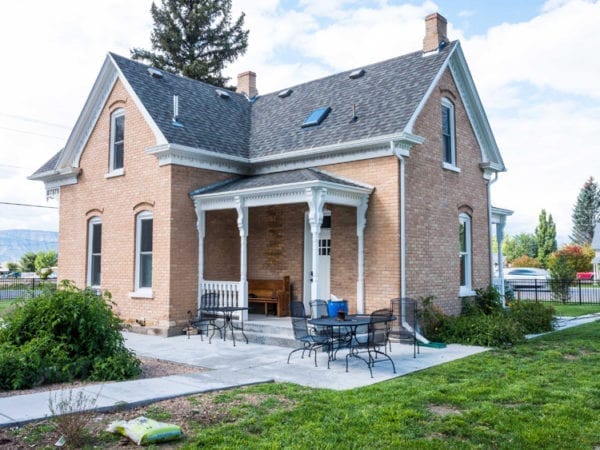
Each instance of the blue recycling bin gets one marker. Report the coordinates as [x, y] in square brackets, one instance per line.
[333, 306]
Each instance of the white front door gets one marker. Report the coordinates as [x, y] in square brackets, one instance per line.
[324, 286]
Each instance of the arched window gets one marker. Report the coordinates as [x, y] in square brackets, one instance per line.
[465, 253]
[143, 251]
[448, 134]
[117, 141]
[94, 259]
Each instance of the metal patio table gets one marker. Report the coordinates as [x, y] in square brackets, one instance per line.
[227, 313]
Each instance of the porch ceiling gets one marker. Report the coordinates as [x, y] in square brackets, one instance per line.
[295, 186]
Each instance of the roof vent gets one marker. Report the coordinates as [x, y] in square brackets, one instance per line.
[223, 94]
[357, 73]
[284, 94]
[155, 73]
[316, 117]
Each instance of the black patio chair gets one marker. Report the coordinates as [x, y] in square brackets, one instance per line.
[404, 328]
[206, 318]
[376, 341]
[310, 341]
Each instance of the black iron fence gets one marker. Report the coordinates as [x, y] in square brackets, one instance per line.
[554, 291]
[12, 288]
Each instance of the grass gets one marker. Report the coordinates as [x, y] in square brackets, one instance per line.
[5, 306]
[575, 310]
[542, 394]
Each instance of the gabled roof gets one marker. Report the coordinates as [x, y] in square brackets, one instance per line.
[376, 108]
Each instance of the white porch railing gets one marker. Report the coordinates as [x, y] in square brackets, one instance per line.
[228, 292]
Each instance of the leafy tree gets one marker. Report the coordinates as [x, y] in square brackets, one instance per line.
[521, 244]
[27, 262]
[12, 266]
[545, 235]
[586, 212]
[195, 38]
[44, 262]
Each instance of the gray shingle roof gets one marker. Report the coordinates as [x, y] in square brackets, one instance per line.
[385, 97]
[48, 165]
[272, 179]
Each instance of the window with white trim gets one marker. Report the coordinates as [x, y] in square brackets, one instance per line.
[448, 134]
[94, 266]
[117, 141]
[143, 251]
[465, 253]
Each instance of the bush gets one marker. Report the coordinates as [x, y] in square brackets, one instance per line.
[535, 317]
[484, 322]
[526, 261]
[62, 335]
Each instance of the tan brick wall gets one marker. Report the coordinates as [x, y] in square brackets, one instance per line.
[433, 199]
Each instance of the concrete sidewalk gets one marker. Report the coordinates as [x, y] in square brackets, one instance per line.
[237, 366]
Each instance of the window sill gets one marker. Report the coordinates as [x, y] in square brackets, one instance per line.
[450, 167]
[466, 292]
[115, 173]
[142, 293]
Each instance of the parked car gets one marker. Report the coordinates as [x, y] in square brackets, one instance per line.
[527, 278]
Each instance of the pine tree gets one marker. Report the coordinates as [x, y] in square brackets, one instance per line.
[586, 213]
[545, 234]
[195, 38]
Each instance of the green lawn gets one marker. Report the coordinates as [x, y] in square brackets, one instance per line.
[575, 310]
[5, 306]
[542, 394]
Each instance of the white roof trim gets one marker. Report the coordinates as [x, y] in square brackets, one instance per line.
[470, 98]
[109, 73]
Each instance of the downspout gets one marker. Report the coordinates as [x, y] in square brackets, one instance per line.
[500, 274]
[405, 324]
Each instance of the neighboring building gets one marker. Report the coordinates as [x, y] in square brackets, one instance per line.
[370, 184]
[596, 248]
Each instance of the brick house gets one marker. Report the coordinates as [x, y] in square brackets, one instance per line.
[369, 184]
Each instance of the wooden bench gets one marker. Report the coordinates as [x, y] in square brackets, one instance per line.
[271, 292]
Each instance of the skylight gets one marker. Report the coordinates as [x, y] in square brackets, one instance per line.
[155, 73]
[223, 94]
[284, 94]
[316, 117]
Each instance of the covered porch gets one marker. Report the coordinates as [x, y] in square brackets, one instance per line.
[309, 195]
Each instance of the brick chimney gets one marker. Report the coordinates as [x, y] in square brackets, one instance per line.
[435, 32]
[247, 84]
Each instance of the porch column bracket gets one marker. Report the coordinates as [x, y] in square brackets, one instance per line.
[361, 223]
[242, 223]
[316, 201]
[201, 226]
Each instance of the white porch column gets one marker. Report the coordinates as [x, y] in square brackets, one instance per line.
[361, 222]
[242, 223]
[201, 226]
[315, 218]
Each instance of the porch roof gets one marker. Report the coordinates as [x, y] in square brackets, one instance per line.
[293, 186]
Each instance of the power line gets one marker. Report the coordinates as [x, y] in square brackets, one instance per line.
[32, 133]
[28, 205]
[32, 120]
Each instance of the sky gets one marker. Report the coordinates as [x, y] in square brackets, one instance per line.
[535, 64]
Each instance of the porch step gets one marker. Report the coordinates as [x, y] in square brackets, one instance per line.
[270, 331]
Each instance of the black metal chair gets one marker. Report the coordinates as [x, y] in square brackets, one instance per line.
[310, 342]
[205, 318]
[404, 328]
[376, 341]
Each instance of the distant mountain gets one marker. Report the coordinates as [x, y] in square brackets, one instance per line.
[15, 243]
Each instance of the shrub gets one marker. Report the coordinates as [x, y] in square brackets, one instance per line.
[61, 335]
[526, 261]
[535, 317]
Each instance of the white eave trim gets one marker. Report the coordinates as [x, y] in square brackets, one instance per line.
[328, 154]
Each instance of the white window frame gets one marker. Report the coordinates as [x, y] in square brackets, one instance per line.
[91, 233]
[450, 165]
[142, 291]
[112, 170]
[466, 289]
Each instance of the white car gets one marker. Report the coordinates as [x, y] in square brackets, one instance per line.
[525, 273]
